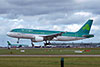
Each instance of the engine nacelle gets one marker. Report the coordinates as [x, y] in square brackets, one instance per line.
[37, 39]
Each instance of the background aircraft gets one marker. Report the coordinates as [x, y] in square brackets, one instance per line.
[16, 45]
[47, 35]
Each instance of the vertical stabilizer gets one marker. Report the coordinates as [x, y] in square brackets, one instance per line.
[85, 29]
[8, 43]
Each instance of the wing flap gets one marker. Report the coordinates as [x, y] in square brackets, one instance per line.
[50, 37]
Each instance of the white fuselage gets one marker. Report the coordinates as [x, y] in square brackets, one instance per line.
[32, 36]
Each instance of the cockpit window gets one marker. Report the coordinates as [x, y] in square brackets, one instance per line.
[11, 30]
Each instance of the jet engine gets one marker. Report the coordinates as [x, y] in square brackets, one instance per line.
[37, 39]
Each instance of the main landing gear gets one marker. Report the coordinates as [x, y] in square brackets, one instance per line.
[32, 43]
[47, 43]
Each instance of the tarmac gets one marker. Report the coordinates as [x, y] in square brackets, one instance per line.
[51, 55]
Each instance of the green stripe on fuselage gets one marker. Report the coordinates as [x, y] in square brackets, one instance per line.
[45, 32]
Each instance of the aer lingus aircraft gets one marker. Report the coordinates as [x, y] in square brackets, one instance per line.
[16, 45]
[47, 35]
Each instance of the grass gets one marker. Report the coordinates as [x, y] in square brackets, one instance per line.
[51, 51]
[49, 61]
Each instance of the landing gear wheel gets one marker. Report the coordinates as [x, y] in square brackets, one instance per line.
[17, 41]
[47, 43]
[32, 44]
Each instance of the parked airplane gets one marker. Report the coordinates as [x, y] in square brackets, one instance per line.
[16, 45]
[47, 35]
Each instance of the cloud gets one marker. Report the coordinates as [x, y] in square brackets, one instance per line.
[37, 7]
[83, 13]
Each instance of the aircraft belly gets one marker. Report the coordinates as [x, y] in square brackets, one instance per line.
[21, 35]
[27, 36]
[66, 38]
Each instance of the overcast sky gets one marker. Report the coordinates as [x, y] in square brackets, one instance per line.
[63, 15]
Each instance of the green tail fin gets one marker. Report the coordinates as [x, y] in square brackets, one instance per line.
[85, 29]
[8, 43]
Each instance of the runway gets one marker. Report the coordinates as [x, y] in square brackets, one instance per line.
[52, 55]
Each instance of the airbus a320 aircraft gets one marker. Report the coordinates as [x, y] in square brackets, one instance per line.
[47, 35]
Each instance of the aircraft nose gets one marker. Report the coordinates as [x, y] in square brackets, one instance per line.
[8, 33]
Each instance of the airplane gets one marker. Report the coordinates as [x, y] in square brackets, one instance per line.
[16, 45]
[46, 35]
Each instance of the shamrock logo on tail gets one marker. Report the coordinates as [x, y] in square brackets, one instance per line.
[86, 27]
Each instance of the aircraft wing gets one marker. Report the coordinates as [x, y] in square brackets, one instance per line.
[50, 37]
